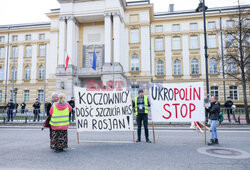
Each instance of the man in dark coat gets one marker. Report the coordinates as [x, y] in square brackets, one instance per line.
[214, 112]
[141, 105]
[72, 113]
[10, 107]
[228, 105]
[36, 110]
[23, 105]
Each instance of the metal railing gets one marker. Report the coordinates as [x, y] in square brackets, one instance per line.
[23, 116]
[237, 116]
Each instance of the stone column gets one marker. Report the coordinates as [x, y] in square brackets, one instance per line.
[71, 40]
[62, 40]
[108, 37]
[117, 37]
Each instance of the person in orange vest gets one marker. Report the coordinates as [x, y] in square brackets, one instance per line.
[141, 105]
[59, 124]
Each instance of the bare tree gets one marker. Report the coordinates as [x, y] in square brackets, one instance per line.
[237, 56]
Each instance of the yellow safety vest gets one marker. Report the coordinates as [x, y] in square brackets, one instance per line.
[145, 105]
[59, 117]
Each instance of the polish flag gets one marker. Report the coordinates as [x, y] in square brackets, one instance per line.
[67, 62]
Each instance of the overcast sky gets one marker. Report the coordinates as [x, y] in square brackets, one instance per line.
[26, 11]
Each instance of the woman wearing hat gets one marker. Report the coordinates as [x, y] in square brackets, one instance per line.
[59, 124]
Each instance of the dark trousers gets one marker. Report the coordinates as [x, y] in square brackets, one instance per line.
[72, 115]
[139, 119]
[22, 111]
[229, 111]
[10, 115]
[36, 115]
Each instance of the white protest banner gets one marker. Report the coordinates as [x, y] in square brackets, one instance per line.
[177, 102]
[103, 110]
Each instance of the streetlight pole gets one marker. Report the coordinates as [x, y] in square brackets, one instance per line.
[44, 82]
[203, 8]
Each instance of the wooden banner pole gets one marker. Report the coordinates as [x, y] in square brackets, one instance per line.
[153, 128]
[205, 134]
[77, 137]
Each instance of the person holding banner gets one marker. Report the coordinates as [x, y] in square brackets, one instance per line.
[214, 112]
[59, 124]
[141, 105]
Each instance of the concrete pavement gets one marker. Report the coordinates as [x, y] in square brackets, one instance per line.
[28, 148]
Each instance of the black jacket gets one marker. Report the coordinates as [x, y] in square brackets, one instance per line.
[228, 104]
[10, 106]
[36, 105]
[72, 103]
[214, 111]
[23, 105]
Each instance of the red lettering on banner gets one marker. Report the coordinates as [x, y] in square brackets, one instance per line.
[191, 109]
[187, 95]
[91, 85]
[170, 114]
[176, 104]
[119, 83]
[176, 91]
[182, 97]
[197, 94]
[186, 111]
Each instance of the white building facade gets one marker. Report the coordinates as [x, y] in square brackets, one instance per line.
[133, 45]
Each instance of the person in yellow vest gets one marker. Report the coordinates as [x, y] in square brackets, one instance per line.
[59, 124]
[141, 105]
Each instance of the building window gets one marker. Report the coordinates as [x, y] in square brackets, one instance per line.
[28, 51]
[42, 37]
[230, 40]
[211, 41]
[248, 22]
[40, 95]
[14, 38]
[158, 28]
[177, 67]
[160, 68]
[248, 63]
[27, 73]
[194, 67]
[28, 37]
[98, 59]
[213, 66]
[215, 91]
[233, 90]
[1, 39]
[41, 72]
[159, 44]
[2, 52]
[135, 63]
[211, 25]
[134, 36]
[26, 95]
[176, 27]
[1, 96]
[247, 40]
[231, 66]
[230, 24]
[42, 51]
[14, 73]
[1, 73]
[14, 52]
[176, 43]
[193, 26]
[134, 91]
[194, 42]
